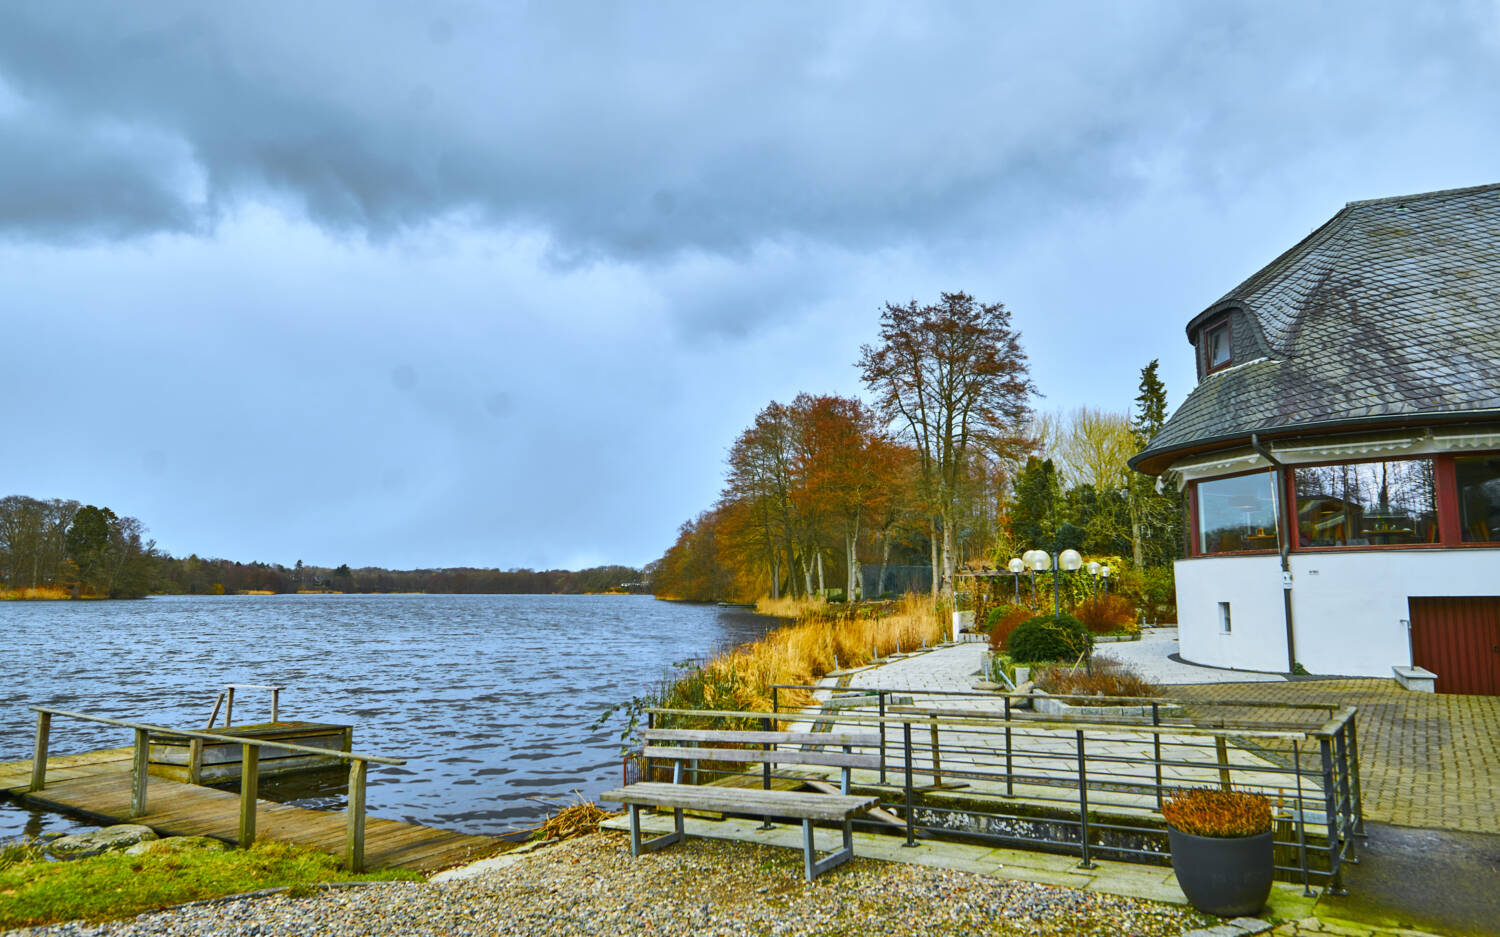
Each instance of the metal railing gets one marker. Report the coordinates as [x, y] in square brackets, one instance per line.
[977, 765]
[354, 836]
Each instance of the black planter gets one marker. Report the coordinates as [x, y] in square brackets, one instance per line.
[1227, 877]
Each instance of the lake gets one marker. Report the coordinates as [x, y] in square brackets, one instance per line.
[492, 698]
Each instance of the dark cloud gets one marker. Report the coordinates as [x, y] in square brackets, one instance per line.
[637, 132]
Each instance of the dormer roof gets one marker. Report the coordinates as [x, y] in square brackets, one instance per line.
[1388, 313]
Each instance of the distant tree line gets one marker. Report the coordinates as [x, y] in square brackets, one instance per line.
[193, 575]
[60, 546]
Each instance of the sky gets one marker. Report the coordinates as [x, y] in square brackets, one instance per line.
[463, 284]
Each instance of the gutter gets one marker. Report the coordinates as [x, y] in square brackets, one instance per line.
[1283, 548]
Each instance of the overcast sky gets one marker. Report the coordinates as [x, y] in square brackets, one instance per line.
[438, 284]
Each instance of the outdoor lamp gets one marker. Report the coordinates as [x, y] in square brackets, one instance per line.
[1015, 566]
[1093, 568]
[1040, 561]
[1069, 560]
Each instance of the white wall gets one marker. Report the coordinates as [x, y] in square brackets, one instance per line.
[1347, 606]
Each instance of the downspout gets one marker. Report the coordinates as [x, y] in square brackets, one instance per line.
[1282, 547]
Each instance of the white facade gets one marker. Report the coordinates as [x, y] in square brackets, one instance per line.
[1348, 607]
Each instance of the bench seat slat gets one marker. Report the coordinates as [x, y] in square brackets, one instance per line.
[792, 757]
[835, 739]
[817, 806]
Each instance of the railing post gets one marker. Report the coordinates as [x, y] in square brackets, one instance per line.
[1156, 750]
[1221, 747]
[1346, 798]
[1083, 804]
[39, 752]
[937, 764]
[276, 704]
[354, 831]
[1359, 803]
[1307, 891]
[138, 774]
[229, 706]
[911, 812]
[765, 775]
[1331, 818]
[1010, 775]
[880, 694]
[249, 790]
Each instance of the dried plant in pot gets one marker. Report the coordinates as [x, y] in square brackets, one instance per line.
[1221, 849]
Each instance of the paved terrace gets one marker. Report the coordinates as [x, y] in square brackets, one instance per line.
[1426, 760]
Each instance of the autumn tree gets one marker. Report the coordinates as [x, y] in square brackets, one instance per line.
[759, 486]
[952, 376]
[845, 470]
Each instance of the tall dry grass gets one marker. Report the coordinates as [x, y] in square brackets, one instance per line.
[43, 592]
[824, 639]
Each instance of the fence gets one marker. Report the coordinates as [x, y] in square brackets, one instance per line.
[1088, 779]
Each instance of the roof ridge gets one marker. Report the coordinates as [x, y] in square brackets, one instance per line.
[1437, 193]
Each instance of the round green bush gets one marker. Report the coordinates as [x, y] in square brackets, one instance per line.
[1045, 638]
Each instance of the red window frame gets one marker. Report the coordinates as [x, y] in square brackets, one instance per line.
[1196, 537]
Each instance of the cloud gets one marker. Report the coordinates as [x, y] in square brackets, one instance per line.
[638, 133]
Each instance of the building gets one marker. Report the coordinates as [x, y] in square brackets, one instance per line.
[1341, 452]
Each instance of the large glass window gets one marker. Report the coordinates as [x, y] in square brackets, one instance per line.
[1478, 480]
[1366, 504]
[1237, 514]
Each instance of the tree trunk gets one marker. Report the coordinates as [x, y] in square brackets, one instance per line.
[807, 576]
[1137, 549]
[937, 566]
[885, 560]
[948, 558]
[822, 589]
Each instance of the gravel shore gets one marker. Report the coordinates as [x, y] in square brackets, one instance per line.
[590, 885]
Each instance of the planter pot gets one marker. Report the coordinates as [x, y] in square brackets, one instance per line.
[1226, 877]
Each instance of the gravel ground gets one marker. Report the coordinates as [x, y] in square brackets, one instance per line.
[590, 885]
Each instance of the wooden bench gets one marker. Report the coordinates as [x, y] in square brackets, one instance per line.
[709, 745]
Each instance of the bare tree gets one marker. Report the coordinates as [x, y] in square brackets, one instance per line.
[953, 378]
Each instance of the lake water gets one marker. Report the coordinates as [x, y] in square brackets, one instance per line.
[492, 698]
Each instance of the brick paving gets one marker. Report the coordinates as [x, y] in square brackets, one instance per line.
[1426, 759]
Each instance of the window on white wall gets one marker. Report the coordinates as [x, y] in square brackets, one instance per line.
[1224, 622]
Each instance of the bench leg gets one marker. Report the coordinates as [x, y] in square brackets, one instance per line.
[815, 867]
[637, 846]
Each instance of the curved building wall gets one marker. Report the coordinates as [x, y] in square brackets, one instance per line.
[1348, 607]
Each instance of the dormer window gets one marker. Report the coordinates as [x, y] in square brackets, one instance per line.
[1216, 346]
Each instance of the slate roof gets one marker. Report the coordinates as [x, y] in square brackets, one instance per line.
[1389, 312]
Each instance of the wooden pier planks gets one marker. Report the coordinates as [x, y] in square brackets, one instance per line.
[99, 788]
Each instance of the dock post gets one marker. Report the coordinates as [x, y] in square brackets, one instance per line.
[138, 774]
[249, 788]
[276, 704]
[39, 753]
[228, 706]
[354, 834]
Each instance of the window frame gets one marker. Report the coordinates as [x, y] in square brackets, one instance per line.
[1295, 542]
[1220, 323]
[1458, 535]
[1277, 497]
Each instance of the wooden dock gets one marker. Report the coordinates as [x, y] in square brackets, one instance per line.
[97, 786]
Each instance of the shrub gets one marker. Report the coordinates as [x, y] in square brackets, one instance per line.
[1107, 613]
[1159, 590]
[1001, 621]
[1222, 814]
[1103, 678]
[1045, 638]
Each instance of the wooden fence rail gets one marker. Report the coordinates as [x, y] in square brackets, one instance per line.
[354, 840]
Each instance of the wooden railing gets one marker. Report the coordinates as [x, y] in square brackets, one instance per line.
[226, 699]
[354, 837]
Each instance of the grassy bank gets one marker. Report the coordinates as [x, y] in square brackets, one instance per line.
[822, 639]
[43, 592]
[36, 891]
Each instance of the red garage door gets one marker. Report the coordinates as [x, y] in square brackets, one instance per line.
[1458, 638]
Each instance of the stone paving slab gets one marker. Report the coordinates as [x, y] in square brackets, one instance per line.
[1151, 658]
